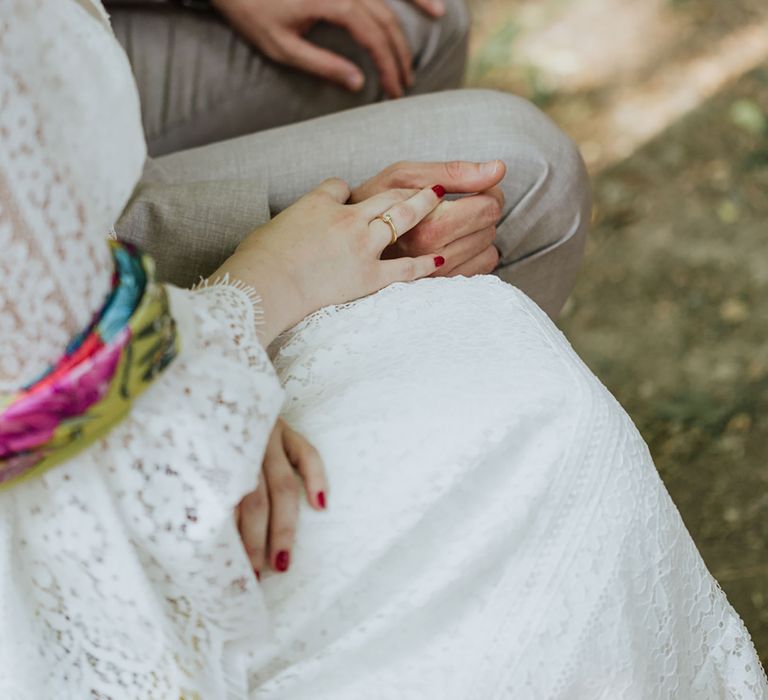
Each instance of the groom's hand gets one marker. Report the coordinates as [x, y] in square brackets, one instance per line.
[461, 230]
[278, 28]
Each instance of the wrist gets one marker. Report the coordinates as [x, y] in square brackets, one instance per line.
[283, 302]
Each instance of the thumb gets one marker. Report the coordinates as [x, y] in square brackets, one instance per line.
[458, 176]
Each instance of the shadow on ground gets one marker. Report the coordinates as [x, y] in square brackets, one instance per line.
[671, 312]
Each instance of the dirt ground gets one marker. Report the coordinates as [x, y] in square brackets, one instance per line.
[669, 101]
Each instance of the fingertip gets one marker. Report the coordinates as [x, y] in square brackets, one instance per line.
[282, 561]
[493, 168]
[257, 562]
[435, 8]
[354, 81]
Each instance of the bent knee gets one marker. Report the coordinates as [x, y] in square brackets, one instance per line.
[439, 46]
[455, 23]
[547, 188]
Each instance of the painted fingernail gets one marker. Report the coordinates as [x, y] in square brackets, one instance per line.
[355, 81]
[282, 560]
[258, 575]
[321, 499]
[439, 261]
[439, 190]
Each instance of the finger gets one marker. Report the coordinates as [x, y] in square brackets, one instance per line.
[335, 188]
[364, 29]
[409, 269]
[498, 194]
[307, 461]
[464, 250]
[390, 23]
[482, 264]
[405, 215]
[452, 221]
[457, 176]
[253, 525]
[434, 8]
[296, 51]
[378, 204]
[284, 490]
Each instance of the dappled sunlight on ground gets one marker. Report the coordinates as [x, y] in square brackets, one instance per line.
[613, 73]
[668, 100]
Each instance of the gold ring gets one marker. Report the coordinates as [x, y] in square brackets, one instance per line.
[387, 219]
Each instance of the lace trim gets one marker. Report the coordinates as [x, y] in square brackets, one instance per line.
[247, 290]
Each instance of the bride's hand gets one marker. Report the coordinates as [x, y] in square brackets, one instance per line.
[321, 251]
[266, 517]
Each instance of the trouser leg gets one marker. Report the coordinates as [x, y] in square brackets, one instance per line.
[199, 82]
[546, 214]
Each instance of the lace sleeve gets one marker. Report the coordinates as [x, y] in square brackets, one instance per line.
[71, 149]
[129, 577]
[121, 570]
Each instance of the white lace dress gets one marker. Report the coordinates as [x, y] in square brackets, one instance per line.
[496, 528]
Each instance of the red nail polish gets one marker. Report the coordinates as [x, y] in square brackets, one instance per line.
[258, 575]
[321, 499]
[439, 261]
[282, 560]
[439, 190]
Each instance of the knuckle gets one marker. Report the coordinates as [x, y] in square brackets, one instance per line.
[408, 269]
[398, 194]
[491, 259]
[285, 486]
[308, 450]
[255, 502]
[453, 169]
[406, 215]
[336, 181]
[284, 533]
[399, 174]
[493, 210]
[345, 217]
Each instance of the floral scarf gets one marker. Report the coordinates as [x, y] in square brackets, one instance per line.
[79, 399]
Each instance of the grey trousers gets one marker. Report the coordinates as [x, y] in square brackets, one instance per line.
[200, 82]
[195, 205]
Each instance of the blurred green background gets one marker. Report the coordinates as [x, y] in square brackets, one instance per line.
[668, 100]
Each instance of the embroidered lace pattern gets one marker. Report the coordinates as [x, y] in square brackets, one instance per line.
[121, 571]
